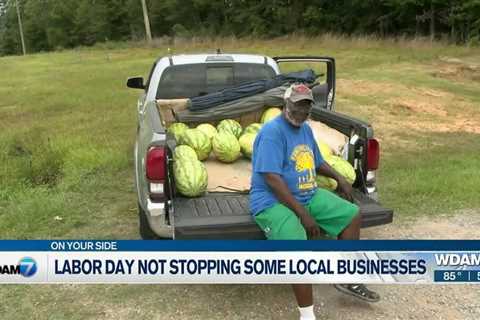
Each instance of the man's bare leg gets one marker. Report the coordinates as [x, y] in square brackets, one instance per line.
[303, 293]
[352, 232]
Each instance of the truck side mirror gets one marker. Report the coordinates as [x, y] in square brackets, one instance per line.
[135, 83]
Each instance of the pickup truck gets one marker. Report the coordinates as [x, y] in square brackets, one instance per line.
[164, 214]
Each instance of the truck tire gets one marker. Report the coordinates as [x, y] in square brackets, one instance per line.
[146, 233]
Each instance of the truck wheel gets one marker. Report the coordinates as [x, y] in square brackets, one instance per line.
[146, 233]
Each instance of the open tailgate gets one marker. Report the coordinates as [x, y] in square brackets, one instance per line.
[226, 216]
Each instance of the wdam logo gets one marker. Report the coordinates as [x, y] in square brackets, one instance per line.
[26, 267]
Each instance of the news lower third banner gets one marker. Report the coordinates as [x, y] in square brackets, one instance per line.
[196, 262]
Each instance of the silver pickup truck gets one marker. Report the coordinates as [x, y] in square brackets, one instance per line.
[225, 215]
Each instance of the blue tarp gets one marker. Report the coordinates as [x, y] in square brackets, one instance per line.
[249, 89]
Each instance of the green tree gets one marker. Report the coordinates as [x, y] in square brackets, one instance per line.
[35, 22]
[51, 24]
[9, 34]
[90, 22]
[117, 19]
[136, 28]
[61, 24]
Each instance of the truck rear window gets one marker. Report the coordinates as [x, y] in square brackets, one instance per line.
[192, 80]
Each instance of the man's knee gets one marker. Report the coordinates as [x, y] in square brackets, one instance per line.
[355, 220]
[290, 231]
[280, 223]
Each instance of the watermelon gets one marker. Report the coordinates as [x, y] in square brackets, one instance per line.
[343, 167]
[177, 129]
[191, 177]
[325, 149]
[226, 147]
[230, 125]
[270, 113]
[253, 128]
[326, 183]
[198, 141]
[184, 152]
[246, 144]
[208, 129]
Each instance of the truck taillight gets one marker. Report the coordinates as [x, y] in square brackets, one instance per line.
[156, 171]
[373, 154]
[156, 164]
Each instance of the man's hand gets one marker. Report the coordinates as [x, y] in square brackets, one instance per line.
[310, 225]
[344, 189]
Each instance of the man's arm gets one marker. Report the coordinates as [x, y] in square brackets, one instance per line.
[283, 194]
[344, 187]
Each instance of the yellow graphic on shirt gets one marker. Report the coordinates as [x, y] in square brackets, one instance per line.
[304, 163]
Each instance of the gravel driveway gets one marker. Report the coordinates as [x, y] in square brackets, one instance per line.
[277, 302]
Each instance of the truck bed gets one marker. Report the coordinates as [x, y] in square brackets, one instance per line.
[226, 216]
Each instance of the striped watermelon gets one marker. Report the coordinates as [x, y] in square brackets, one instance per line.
[246, 144]
[230, 125]
[326, 183]
[253, 128]
[191, 177]
[184, 151]
[343, 167]
[208, 129]
[270, 113]
[325, 149]
[177, 129]
[198, 141]
[226, 147]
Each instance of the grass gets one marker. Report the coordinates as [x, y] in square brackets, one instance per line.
[433, 180]
[68, 126]
[66, 151]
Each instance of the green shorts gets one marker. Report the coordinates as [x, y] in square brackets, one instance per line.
[332, 214]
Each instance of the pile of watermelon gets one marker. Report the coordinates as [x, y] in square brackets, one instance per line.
[339, 164]
[229, 141]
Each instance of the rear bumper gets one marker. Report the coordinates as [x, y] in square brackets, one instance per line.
[226, 216]
[373, 214]
[377, 219]
[244, 231]
[251, 231]
[156, 215]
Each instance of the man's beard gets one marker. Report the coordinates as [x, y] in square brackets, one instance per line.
[291, 120]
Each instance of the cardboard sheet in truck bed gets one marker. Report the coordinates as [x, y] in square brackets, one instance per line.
[234, 177]
[228, 177]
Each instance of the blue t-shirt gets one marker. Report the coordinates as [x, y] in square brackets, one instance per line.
[289, 152]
